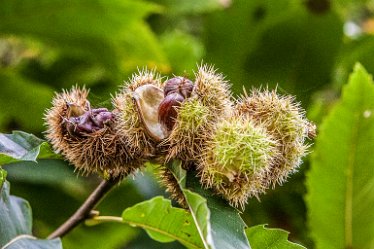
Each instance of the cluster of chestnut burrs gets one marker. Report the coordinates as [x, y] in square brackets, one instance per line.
[238, 148]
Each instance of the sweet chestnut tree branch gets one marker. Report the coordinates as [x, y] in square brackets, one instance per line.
[85, 209]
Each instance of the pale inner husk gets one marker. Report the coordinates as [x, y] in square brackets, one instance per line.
[147, 99]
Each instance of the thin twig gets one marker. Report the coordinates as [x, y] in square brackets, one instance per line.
[84, 211]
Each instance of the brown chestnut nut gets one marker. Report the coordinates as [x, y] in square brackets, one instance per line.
[167, 112]
[180, 85]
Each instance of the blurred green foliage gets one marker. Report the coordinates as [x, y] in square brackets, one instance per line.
[305, 48]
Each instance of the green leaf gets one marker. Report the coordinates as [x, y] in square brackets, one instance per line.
[268, 238]
[30, 242]
[16, 224]
[3, 175]
[341, 182]
[22, 146]
[50, 172]
[159, 236]
[163, 222]
[15, 216]
[219, 225]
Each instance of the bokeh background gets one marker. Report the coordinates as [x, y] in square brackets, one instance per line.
[305, 48]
